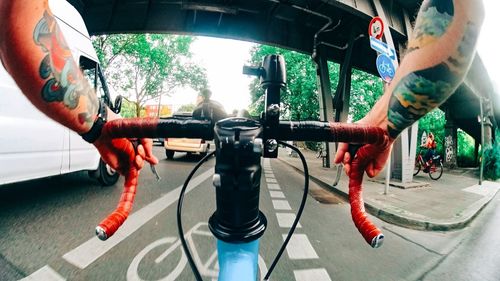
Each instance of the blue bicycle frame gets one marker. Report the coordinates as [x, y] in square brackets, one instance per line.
[238, 261]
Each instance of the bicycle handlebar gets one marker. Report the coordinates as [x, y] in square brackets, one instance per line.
[287, 130]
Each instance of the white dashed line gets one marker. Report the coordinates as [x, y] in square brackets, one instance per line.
[271, 180]
[88, 252]
[299, 248]
[281, 205]
[277, 194]
[285, 220]
[317, 274]
[45, 273]
[273, 186]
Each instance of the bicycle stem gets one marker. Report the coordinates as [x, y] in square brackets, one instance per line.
[239, 148]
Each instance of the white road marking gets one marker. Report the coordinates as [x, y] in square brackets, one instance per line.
[488, 188]
[281, 205]
[273, 186]
[88, 252]
[271, 180]
[299, 248]
[277, 194]
[285, 220]
[317, 274]
[45, 273]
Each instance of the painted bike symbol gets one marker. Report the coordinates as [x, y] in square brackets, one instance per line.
[208, 267]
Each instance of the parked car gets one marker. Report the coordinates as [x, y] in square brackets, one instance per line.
[34, 146]
[173, 145]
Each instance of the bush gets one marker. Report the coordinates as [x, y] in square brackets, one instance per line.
[492, 162]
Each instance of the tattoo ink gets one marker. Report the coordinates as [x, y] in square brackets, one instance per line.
[421, 91]
[64, 80]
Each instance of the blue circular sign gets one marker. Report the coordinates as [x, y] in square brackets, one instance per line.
[385, 68]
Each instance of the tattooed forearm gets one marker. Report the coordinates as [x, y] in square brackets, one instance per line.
[64, 80]
[421, 91]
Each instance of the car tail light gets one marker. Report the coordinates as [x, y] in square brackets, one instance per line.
[202, 141]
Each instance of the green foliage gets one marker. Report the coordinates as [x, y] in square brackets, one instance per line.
[465, 150]
[128, 109]
[300, 100]
[433, 122]
[366, 89]
[492, 162]
[144, 66]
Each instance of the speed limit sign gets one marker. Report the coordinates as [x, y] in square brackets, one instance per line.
[376, 28]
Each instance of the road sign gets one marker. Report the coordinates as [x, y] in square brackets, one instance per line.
[385, 67]
[382, 48]
[376, 28]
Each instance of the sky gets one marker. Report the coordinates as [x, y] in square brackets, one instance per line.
[489, 42]
[224, 59]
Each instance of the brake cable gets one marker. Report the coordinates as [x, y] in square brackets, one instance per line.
[290, 232]
[299, 211]
[185, 247]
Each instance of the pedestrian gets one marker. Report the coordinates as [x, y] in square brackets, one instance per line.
[206, 108]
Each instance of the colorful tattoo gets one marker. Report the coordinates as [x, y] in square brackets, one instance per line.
[421, 91]
[65, 82]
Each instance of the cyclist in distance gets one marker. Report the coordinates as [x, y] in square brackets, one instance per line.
[28, 34]
[206, 108]
[439, 54]
[430, 145]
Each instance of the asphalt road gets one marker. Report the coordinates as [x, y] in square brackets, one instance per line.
[46, 233]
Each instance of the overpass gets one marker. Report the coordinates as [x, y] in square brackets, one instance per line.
[335, 30]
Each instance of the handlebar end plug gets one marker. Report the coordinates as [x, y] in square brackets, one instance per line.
[377, 241]
[101, 233]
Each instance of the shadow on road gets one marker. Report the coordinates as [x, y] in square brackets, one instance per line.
[48, 191]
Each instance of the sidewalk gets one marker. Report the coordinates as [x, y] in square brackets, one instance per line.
[449, 203]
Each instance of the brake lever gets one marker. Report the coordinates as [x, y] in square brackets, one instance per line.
[135, 143]
[153, 169]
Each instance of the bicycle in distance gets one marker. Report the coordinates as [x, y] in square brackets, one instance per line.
[433, 167]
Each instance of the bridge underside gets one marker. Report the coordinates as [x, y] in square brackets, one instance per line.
[290, 24]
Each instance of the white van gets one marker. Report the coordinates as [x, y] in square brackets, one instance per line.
[32, 145]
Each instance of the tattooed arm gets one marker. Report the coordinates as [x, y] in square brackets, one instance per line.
[35, 53]
[439, 55]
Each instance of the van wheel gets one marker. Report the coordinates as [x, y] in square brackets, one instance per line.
[105, 174]
[169, 154]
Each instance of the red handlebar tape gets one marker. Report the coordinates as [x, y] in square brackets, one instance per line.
[114, 220]
[343, 132]
[374, 135]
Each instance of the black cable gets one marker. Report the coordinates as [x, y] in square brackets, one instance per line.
[179, 218]
[299, 212]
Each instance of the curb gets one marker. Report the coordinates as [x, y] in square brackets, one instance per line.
[391, 215]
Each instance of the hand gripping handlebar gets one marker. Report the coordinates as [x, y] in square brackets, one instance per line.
[364, 134]
[288, 130]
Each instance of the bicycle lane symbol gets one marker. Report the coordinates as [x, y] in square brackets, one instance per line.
[208, 268]
[385, 68]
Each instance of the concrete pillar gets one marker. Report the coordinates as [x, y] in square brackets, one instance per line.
[403, 155]
[450, 143]
[326, 112]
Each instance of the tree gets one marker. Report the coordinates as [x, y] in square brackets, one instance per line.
[366, 89]
[145, 66]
